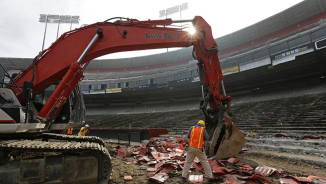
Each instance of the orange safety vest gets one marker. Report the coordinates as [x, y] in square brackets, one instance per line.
[69, 131]
[82, 131]
[197, 137]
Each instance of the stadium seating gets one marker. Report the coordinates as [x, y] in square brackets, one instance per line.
[297, 110]
[288, 120]
[277, 40]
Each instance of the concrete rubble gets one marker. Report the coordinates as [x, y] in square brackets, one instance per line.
[127, 178]
[164, 158]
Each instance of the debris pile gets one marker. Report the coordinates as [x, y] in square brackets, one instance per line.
[165, 159]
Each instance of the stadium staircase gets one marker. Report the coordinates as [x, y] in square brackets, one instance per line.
[283, 121]
[294, 125]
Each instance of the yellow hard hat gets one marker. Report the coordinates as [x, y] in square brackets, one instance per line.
[201, 122]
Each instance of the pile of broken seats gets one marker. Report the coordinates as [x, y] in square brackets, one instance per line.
[165, 158]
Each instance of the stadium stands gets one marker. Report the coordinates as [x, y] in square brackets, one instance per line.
[241, 60]
[249, 48]
[288, 120]
[303, 98]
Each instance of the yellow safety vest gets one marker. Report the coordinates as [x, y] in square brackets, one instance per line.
[82, 131]
[197, 137]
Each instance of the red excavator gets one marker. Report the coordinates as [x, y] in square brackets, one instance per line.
[34, 155]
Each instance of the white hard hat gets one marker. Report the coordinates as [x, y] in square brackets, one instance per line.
[87, 125]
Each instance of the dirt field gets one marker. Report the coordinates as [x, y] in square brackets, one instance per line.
[296, 167]
[254, 158]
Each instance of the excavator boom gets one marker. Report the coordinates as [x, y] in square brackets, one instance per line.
[54, 62]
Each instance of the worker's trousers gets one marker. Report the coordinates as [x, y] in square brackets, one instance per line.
[192, 153]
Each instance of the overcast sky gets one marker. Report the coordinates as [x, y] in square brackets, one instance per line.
[21, 35]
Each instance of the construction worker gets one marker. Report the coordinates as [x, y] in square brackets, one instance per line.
[196, 136]
[69, 131]
[84, 131]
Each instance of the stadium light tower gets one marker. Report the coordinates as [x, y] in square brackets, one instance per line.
[60, 19]
[173, 10]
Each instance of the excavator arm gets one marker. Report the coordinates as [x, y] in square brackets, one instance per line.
[66, 59]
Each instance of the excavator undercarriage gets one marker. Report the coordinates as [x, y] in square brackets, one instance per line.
[77, 160]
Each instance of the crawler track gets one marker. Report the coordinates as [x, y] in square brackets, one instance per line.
[90, 145]
[92, 139]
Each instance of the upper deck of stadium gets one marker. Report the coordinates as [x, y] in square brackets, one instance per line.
[267, 42]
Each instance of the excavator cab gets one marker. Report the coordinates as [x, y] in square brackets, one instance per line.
[71, 114]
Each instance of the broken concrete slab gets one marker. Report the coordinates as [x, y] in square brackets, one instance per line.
[127, 178]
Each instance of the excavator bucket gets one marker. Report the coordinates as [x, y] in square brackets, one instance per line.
[227, 140]
[232, 141]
